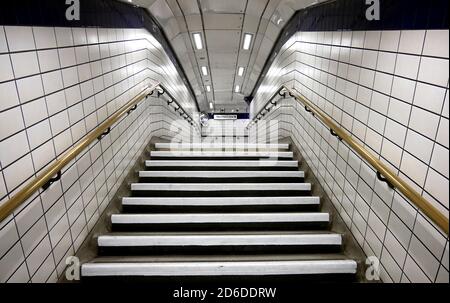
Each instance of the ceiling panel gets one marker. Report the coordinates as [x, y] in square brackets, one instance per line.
[223, 41]
[223, 60]
[224, 6]
[223, 21]
[194, 23]
[189, 7]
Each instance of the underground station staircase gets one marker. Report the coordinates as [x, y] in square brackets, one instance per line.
[220, 213]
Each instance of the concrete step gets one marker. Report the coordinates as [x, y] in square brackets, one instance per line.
[220, 204]
[232, 269]
[222, 189]
[223, 146]
[221, 165]
[219, 221]
[220, 154]
[210, 243]
[221, 176]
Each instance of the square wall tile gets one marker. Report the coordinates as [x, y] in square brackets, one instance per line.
[39, 134]
[79, 36]
[34, 112]
[6, 72]
[399, 111]
[18, 172]
[20, 38]
[64, 36]
[386, 62]
[9, 236]
[8, 95]
[39, 255]
[48, 60]
[434, 71]
[395, 132]
[390, 41]
[436, 43]
[67, 57]
[440, 160]
[13, 148]
[414, 169]
[56, 102]
[413, 272]
[10, 262]
[43, 155]
[437, 185]
[52, 82]
[30, 88]
[44, 37]
[411, 41]
[419, 146]
[429, 97]
[383, 83]
[424, 122]
[407, 66]
[3, 43]
[11, 122]
[443, 135]
[430, 237]
[403, 89]
[428, 263]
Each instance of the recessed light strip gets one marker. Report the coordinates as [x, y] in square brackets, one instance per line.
[198, 41]
[247, 41]
[205, 71]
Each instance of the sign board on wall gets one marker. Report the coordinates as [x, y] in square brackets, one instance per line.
[225, 117]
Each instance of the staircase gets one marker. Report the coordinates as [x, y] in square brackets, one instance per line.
[221, 212]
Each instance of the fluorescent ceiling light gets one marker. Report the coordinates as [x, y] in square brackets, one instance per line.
[204, 71]
[237, 89]
[247, 41]
[198, 41]
[240, 71]
[208, 88]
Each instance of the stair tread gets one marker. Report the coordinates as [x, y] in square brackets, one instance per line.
[216, 201]
[221, 154]
[219, 258]
[222, 174]
[220, 186]
[221, 268]
[220, 240]
[219, 218]
[281, 146]
[221, 163]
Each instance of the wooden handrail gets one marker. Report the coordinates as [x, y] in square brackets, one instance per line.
[44, 179]
[383, 172]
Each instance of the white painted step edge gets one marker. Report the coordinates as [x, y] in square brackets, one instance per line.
[220, 201]
[209, 163]
[213, 187]
[221, 174]
[225, 145]
[266, 268]
[220, 218]
[189, 154]
[219, 240]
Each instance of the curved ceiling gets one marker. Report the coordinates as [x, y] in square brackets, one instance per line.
[222, 26]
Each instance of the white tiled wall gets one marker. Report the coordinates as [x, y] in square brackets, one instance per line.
[389, 90]
[56, 85]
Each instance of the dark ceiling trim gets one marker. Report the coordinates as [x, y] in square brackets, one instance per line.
[93, 13]
[350, 15]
